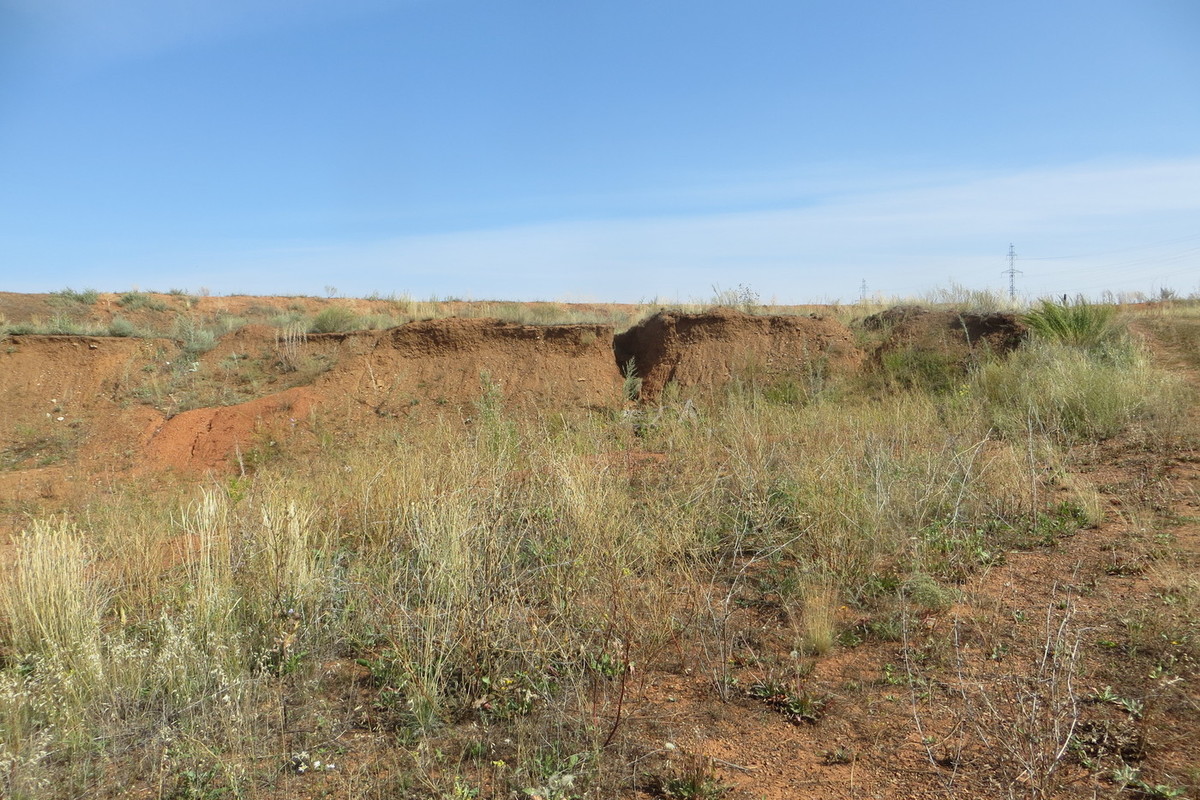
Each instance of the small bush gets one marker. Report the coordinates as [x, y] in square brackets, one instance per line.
[742, 297]
[122, 327]
[631, 387]
[925, 591]
[64, 326]
[1077, 323]
[193, 337]
[85, 297]
[140, 301]
[334, 319]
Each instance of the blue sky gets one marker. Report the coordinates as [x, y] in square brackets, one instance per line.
[624, 150]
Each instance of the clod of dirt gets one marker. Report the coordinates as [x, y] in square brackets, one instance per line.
[708, 350]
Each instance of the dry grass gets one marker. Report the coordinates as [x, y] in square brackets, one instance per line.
[511, 575]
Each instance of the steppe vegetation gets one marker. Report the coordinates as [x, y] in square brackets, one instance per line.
[468, 609]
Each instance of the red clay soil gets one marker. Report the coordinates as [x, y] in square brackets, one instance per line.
[708, 350]
[72, 397]
[83, 399]
[446, 364]
[101, 386]
[44, 377]
[438, 365]
[219, 438]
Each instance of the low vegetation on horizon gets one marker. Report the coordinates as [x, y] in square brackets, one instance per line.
[178, 313]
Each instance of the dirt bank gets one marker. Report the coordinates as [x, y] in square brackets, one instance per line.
[951, 332]
[448, 363]
[87, 400]
[705, 351]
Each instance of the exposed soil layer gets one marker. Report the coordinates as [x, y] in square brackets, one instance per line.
[88, 400]
[708, 350]
[48, 377]
[455, 362]
[954, 333]
[222, 437]
[74, 399]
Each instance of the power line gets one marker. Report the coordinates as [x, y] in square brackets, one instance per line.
[1147, 246]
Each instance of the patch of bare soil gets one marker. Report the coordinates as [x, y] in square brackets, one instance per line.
[217, 439]
[69, 411]
[708, 350]
[1055, 668]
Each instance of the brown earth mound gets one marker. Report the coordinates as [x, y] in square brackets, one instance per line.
[449, 362]
[85, 399]
[707, 350]
[226, 437]
[952, 333]
[69, 397]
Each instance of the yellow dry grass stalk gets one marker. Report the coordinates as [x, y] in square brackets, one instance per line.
[819, 604]
[50, 599]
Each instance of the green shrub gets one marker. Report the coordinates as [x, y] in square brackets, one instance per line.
[334, 319]
[140, 301]
[85, 297]
[61, 324]
[1077, 323]
[122, 327]
[193, 337]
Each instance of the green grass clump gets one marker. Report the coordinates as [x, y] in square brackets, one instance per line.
[1076, 323]
[140, 301]
[86, 297]
[907, 368]
[335, 319]
[122, 327]
[1074, 395]
[193, 337]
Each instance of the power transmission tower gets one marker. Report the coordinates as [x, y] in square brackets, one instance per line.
[1012, 272]
[862, 291]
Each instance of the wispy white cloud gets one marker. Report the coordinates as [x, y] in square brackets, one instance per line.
[900, 240]
[1079, 228]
